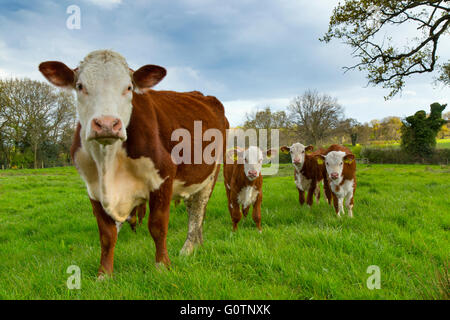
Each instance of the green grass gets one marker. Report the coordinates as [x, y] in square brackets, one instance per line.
[401, 224]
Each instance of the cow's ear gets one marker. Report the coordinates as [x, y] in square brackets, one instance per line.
[58, 74]
[320, 159]
[349, 158]
[285, 149]
[234, 154]
[148, 76]
[271, 153]
[309, 149]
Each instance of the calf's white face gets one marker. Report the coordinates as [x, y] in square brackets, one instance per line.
[297, 152]
[334, 164]
[103, 83]
[253, 159]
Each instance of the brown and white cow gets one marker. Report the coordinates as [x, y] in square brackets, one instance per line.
[307, 172]
[122, 147]
[243, 183]
[340, 174]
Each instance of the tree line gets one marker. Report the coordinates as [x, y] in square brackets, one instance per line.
[318, 119]
[37, 123]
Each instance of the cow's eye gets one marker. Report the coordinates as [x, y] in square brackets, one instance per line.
[303, 151]
[79, 87]
[341, 163]
[130, 88]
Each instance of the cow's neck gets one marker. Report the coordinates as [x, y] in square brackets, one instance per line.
[104, 156]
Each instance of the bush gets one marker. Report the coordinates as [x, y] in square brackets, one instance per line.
[419, 131]
[398, 156]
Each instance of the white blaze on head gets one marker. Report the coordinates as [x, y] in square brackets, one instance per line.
[104, 84]
[297, 152]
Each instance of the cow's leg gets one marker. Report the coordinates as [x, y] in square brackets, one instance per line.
[301, 196]
[256, 214]
[236, 214]
[245, 211]
[132, 220]
[317, 192]
[108, 238]
[196, 208]
[341, 205]
[349, 205]
[311, 190]
[141, 212]
[158, 221]
[327, 190]
[336, 204]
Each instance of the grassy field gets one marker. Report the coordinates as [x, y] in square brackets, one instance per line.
[401, 224]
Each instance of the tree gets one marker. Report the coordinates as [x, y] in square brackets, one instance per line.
[34, 119]
[349, 127]
[315, 116]
[390, 128]
[268, 120]
[363, 24]
[419, 131]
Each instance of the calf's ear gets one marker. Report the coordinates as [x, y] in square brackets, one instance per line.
[148, 76]
[234, 154]
[309, 149]
[320, 158]
[58, 74]
[271, 153]
[349, 158]
[285, 149]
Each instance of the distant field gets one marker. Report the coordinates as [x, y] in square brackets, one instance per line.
[401, 224]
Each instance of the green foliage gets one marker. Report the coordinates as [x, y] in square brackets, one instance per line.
[398, 156]
[419, 131]
[369, 28]
[47, 225]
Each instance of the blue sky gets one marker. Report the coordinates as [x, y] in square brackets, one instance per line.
[248, 53]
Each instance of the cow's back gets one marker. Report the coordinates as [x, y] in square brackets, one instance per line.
[157, 114]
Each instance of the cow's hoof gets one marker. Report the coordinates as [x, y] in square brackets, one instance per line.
[103, 277]
[161, 267]
[188, 249]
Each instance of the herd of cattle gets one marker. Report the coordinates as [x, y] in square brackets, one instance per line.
[122, 150]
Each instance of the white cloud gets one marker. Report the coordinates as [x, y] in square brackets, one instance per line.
[235, 110]
[189, 79]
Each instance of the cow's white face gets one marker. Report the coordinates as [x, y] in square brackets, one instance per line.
[334, 163]
[103, 83]
[104, 91]
[298, 152]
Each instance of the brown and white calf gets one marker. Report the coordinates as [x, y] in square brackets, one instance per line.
[340, 174]
[308, 173]
[243, 183]
[123, 144]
